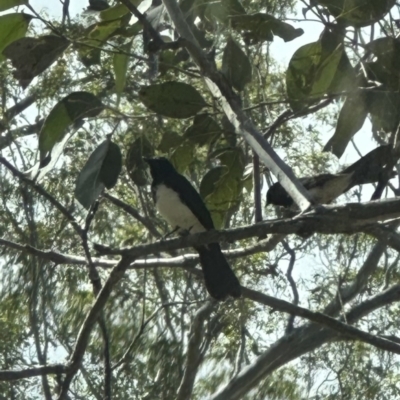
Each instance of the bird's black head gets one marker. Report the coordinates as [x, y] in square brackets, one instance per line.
[278, 196]
[160, 167]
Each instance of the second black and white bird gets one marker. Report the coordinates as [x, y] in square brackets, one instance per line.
[183, 208]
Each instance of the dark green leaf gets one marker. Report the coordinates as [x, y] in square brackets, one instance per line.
[31, 56]
[350, 121]
[120, 64]
[203, 130]
[170, 141]
[12, 27]
[358, 12]
[71, 108]
[6, 4]
[384, 106]
[386, 68]
[210, 179]
[111, 167]
[236, 66]
[101, 170]
[172, 99]
[134, 162]
[261, 27]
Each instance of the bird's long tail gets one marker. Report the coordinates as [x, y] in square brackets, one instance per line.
[369, 168]
[220, 280]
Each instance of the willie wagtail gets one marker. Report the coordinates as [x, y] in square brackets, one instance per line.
[183, 208]
[327, 187]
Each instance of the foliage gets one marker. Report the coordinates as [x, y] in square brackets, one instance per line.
[84, 97]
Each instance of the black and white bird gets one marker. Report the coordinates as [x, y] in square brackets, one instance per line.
[376, 166]
[182, 207]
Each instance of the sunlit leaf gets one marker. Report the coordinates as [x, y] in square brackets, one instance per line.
[6, 4]
[182, 156]
[71, 108]
[90, 46]
[12, 27]
[120, 64]
[358, 12]
[317, 69]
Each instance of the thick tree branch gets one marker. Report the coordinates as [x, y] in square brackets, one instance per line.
[305, 339]
[193, 353]
[39, 189]
[134, 213]
[220, 89]
[56, 369]
[348, 218]
[84, 334]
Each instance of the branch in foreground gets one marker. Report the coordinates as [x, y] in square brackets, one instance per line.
[301, 341]
[84, 334]
[193, 353]
[220, 88]
[347, 218]
[56, 369]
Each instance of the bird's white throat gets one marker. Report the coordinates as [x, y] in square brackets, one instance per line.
[176, 213]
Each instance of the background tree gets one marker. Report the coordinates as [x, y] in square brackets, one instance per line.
[93, 304]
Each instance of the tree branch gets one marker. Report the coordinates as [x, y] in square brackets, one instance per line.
[220, 89]
[56, 369]
[305, 339]
[193, 353]
[84, 334]
[348, 218]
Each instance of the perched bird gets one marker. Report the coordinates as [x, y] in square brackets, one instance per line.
[327, 187]
[182, 207]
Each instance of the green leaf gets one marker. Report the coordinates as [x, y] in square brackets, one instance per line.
[236, 65]
[31, 56]
[90, 47]
[135, 165]
[204, 130]
[101, 170]
[6, 4]
[221, 10]
[384, 106]
[172, 99]
[261, 27]
[386, 68]
[315, 70]
[114, 12]
[112, 166]
[169, 141]
[182, 156]
[358, 13]
[12, 27]
[71, 108]
[120, 64]
[351, 119]
[221, 186]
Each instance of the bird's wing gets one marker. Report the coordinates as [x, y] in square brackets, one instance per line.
[191, 198]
